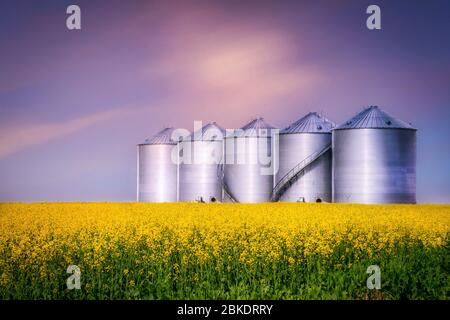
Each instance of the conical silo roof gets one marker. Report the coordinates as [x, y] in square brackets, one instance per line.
[255, 128]
[162, 137]
[210, 132]
[374, 118]
[311, 123]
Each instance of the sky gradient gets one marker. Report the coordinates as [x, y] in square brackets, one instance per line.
[74, 104]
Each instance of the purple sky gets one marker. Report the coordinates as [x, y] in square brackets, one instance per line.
[74, 104]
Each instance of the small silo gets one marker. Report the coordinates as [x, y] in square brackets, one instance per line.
[157, 172]
[203, 153]
[374, 159]
[304, 173]
[248, 169]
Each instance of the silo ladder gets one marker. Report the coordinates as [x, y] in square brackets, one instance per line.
[220, 175]
[295, 172]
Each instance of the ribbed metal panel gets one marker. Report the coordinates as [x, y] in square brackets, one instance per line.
[157, 170]
[162, 137]
[311, 123]
[248, 159]
[203, 152]
[374, 165]
[210, 132]
[157, 173]
[315, 183]
[300, 140]
[255, 128]
[375, 118]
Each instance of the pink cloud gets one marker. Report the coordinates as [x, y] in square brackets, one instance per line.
[239, 69]
[13, 140]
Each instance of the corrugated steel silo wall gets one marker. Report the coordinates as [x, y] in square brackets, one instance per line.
[374, 166]
[199, 178]
[315, 183]
[157, 174]
[245, 181]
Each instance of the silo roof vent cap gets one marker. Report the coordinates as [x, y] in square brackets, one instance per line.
[255, 128]
[374, 118]
[209, 132]
[313, 122]
[165, 136]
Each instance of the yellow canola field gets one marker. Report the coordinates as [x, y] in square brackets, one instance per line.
[34, 233]
[222, 251]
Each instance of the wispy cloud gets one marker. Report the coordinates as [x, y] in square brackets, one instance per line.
[15, 139]
[244, 70]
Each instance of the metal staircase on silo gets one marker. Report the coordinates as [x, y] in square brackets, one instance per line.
[220, 175]
[292, 175]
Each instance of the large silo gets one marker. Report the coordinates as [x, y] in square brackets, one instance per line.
[304, 159]
[248, 169]
[203, 152]
[374, 159]
[157, 172]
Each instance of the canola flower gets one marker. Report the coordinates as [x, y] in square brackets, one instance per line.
[136, 250]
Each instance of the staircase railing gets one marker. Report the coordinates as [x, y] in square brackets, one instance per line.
[293, 174]
[220, 175]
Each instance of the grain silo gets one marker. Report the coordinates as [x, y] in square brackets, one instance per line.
[304, 173]
[157, 172]
[374, 159]
[248, 169]
[199, 178]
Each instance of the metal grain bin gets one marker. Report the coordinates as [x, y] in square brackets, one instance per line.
[157, 172]
[304, 173]
[199, 179]
[374, 159]
[248, 170]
